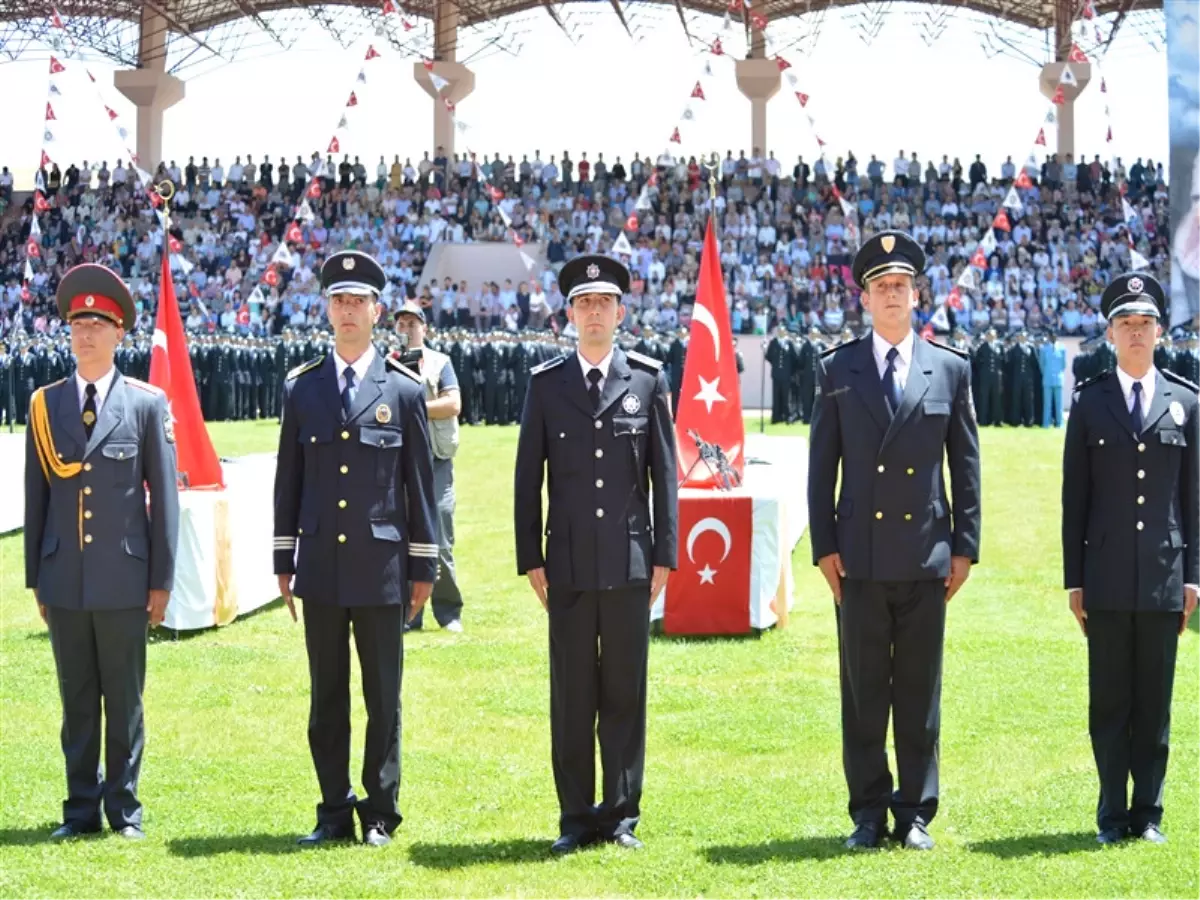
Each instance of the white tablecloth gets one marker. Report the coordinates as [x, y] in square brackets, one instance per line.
[776, 484]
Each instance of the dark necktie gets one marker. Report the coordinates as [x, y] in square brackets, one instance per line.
[348, 392]
[593, 377]
[89, 409]
[891, 390]
[1135, 414]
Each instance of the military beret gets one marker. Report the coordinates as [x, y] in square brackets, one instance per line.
[351, 272]
[91, 290]
[885, 253]
[593, 275]
[1133, 295]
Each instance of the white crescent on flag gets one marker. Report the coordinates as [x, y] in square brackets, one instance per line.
[703, 315]
[710, 524]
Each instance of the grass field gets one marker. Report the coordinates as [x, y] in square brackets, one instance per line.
[744, 788]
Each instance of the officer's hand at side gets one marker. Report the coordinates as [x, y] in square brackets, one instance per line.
[1075, 599]
[833, 570]
[285, 591]
[658, 582]
[1189, 607]
[537, 580]
[421, 591]
[960, 571]
[156, 605]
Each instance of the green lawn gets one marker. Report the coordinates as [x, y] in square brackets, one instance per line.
[744, 789]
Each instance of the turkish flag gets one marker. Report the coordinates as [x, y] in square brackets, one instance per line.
[171, 370]
[1001, 221]
[979, 260]
[631, 224]
[270, 277]
[1023, 180]
[709, 592]
[710, 399]
[293, 234]
[314, 189]
[955, 299]
[40, 204]
[32, 250]
[1041, 137]
[243, 315]
[334, 146]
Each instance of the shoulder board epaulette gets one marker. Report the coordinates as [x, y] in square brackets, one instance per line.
[836, 347]
[963, 353]
[1180, 380]
[395, 366]
[1095, 379]
[648, 361]
[144, 386]
[547, 365]
[305, 367]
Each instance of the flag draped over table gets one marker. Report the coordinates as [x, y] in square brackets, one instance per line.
[710, 400]
[171, 370]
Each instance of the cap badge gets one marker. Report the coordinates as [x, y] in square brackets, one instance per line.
[888, 241]
[348, 263]
[383, 414]
[631, 404]
[593, 271]
[1135, 285]
[1177, 412]
[89, 300]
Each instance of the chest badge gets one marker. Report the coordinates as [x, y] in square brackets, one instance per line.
[1177, 412]
[631, 404]
[383, 414]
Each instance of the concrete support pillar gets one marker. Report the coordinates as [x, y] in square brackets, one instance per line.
[150, 88]
[461, 79]
[758, 79]
[1049, 81]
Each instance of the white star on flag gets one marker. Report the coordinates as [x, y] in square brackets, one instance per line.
[706, 575]
[708, 392]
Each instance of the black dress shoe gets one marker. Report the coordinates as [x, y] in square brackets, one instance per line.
[130, 833]
[568, 843]
[1153, 835]
[1111, 836]
[375, 836]
[865, 837]
[73, 830]
[915, 838]
[628, 841]
[325, 833]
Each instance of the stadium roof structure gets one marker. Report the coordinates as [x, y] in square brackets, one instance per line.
[220, 27]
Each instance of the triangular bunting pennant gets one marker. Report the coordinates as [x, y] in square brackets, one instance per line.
[688, 115]
[353, 100]
[1059, 97]
[1068, 77]
[708, 69]
[621, 246]
[643, 200]
[954, 301]
[28, 273]
[1050, 117]
[343, 123]
[437, 81]
[520, 242]
[1011, 200]
[39, 203]
[270, 277]
[1040, 140]
[91, 77]
[979, 258]
[54, 90]
[449, 106]
[1103, 87]
[758, 21]
[716, 48]
[1109, 136]
[697, 92]
[792, 79]
[334, 145]
[39, 183]
[1128, 213]
[675, 138]
[111, 113]
[1077, 55]
[306, 213]
[967, 279]
[940, 320]
[50, 117]
[820, 143]
[294, 235]
[55, 20]
[362, 77]
[428, 64]
[1022, 180]
[56, 66]
[803, 98]
[783, 64]
[989, 240]
[388, 7]
[527, 260]
[372, 53]
[631, 224]
[282, 255]
[1137, 262]
[1000, 223]
[33, 250]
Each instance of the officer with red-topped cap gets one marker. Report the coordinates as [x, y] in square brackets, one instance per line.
[99, 560]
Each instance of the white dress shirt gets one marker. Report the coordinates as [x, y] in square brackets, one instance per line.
[103, 384]
[602, 366]
[359, 366]
[880, 346]
[1147, 381]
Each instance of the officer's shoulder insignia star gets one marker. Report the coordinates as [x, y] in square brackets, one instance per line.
[395, 366]
[548, 365]
[648, 361]
[305, 367]
[1095, 379]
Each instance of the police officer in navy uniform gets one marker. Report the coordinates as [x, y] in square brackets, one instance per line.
[894, 548]
[597, 422]
[356, 524]
[1131, 552]
[99, 561]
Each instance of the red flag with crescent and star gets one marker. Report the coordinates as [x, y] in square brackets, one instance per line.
[709, 592]
[171, 370]
[710, 398]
